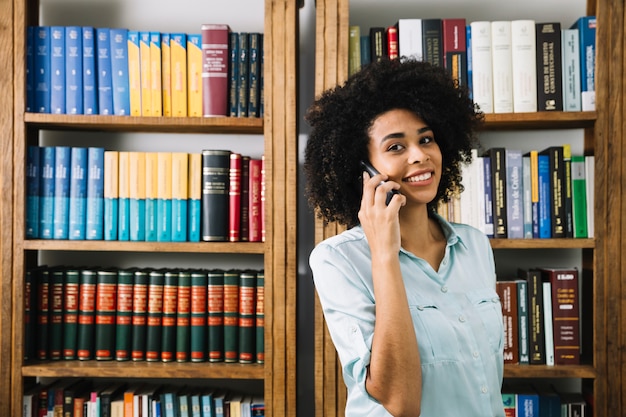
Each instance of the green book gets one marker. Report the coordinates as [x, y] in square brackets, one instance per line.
[43, 312]
[231, 315]
[123, 327]
[106, 297]
[154, 315]
[247, 316]
[198, 324]
[55, 335]
[183, 317]
[168, 317]
[86, 314]
[70, 313]
[139, 316]
[216, 315]
[579, 197]
[260, 317]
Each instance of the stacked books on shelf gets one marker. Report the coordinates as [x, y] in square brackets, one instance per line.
[83, 398]
[96, 194]
[124, 72]
[142, 314]
[510, 66]
[537, 194]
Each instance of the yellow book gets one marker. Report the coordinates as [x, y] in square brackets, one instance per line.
[151, 195]
[178, 69]
[137, 195]
[134, 73]
[194, 195]
[155, 74]
[194, 75]
[146, 81]
[164, 197]
[166, 74]
[111, 194]
[124, 197]
[534, 177]
[180, 176]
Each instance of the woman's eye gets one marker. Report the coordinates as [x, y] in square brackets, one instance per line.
[395, 147]
[427, 139]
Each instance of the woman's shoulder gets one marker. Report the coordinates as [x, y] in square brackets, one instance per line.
[343, 242]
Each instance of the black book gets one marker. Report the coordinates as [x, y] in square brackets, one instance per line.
[378, 43]
[557, 190]
[498, 189]
[536, 328]
[215, 186]
[549, 72]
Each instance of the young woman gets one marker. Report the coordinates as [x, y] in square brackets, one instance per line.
[409, 298]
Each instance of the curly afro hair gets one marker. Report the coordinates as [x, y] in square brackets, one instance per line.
[342, 116]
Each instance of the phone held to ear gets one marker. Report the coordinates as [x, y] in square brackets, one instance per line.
[367, 167]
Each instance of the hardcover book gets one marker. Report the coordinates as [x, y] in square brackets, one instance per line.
[567, 190]
[62, 167]
[549, 72]
[30, 69]
[536, 330]
[231, 315]
[57, 69]
[152, 192]
[42, 75]
[514, 194]
[547, 322]
[499, 191]
[183, 317]
[378, 43]
[260, 317]
[111, 194]
[43, 313]
[522, 314]
[233, 74]
[544, 205]
[119, 71]
[194, 197]
[70, 313]
[156, 75]
[180, 175]
[244, 218]
[234, 197]
[570, 66]
[198, 326]
[95, 193]
[78, 194]
[247, 316]
[106, 298]
[254, 201]
[123, 215]
[124, 313]
[86, 314]
[134, 72]
[90, 73]
[432, 41]
[579, 197]
[194, 75]
[139, 319]
[586, 26]
[482, 70]
[168, 316]
[178, 74]
[145, 66]
[216, 314]
[154, 315]
[164, 196]
[557, 190]
[507, 291]
[55, 305]
[455, 49]
[409, 39]
[137, 196]
[354, 49]
[215, 186]
[73, 70]
[105, 78]
[254, 75]
[166, 74]
[33, 181]
[527, 197]
[46, 199]
[391, 34]
[243, 62]
[524, 66]
[215, 75]
[502, 66]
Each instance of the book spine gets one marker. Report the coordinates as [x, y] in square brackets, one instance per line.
[536, 328]
[62, 167]
[105, 78]
[432, 41]
[468, 47]
[557, 191]
[354, 49]
[145, 71]
[42, 74]
[30, 312]
[215, 58]
[198, 323]
[567, 190]
[70, 313]
[579, 199]
[549, 71]
[455, 49]
[378, 42]
[260, 317]
[46, 199]
[194, 197]
[244, 209]
[164, 196]
[488, 197]
[33, 190]
[234, 197]
[43, 313]
[168, 318]
[180, 196]
[154, 315]
[243, 62]
[507, 291]
[215, 186]
[254, 80]
[86, 314]
[106, 298]
[254, 201]
[527, 197]
[502, 66]
[134, 72]
[543, 175]
[215, 315]
[498, 185]
[522, 313]
[409, 39]
[524, 65]
[233, 74]
[247, 316]
[90, 73]
[570, 66]
[119, 71]
[366, 58]
[57, 69]
[587, 37]
[123, 214]
[57, 287]
[73, 70]
[137, 196]
[124, 313]
[590, 190]
[547, 322]
[139, 315]
[152, 192]
[95, 194]
[30, 69]
[178, 74]
[156, 74]
[534, 191]
[183, 317]
[231, 315]
[111, 194]
[514, 194]
[166, 74]
[482, 67]
[78, 194]
[391, 34]
[194, 75]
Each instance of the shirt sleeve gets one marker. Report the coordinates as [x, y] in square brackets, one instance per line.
[349, 310]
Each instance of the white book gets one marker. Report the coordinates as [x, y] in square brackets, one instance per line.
[482, 80]
[502, 66]
[524, 64]
[410, 38]
[547, 322]
[570, 64]
[589, 176]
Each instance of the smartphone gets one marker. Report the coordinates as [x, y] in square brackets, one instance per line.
[367, 167]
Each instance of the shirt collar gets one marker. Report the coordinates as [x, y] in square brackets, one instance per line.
[448, 231]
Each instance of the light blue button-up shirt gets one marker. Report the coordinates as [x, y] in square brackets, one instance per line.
[456, 314]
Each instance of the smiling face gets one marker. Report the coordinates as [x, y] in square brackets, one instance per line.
[403, 146]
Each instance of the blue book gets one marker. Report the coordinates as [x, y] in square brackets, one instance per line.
[545, 222]
[137, 196]
[32, 191]
[586, 26]
[90, 86]
[123, 214]
[73, 70]
[194, 211]
[169, 404]
[218, 404]
[514, 194]
[119, 72]
[468, 44]
[46, 199]
[527, 197]
[57, 69]
[164, 197]
[30, 68]
[243, 61]
[195, 405]
[183, 405]
[95, 194]
[254, 73]
[62, 157]
[42, 69]
[366, 49]
[206, 401]
[111, 194]
[527, 402]
[233, 74]
[488, 198]
[104, 79]
[78, 194]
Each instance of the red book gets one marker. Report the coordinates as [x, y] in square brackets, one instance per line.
[263, 198]
[215, 57]
[234, 197]
[565, 314]
[392, 42]
[260, 317]
[244, 209]
[507, 290]
[254, 201]
[455, 49]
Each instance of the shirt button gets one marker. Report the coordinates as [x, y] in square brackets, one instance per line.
[353, 329]
[483, 389]
[475, 354]
[445, 262]
[420, 308]
[462, 319]
[444, 288]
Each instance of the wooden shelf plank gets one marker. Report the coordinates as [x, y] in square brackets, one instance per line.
[545, 371]
[243, 125]
[126, 246]
[539, 120]
[542, 243]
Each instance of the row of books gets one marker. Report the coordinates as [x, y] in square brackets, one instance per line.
[509, 66]
[541, 316]
[86, 70]
[82, 398]
[538, 194]
[142, 314]
[543, 400]
[91, 193]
